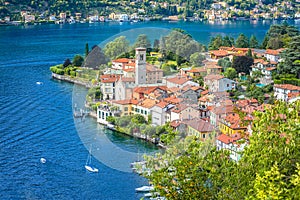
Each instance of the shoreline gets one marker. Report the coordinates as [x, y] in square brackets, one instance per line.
[37, 23]
[86, 84]
[93, 114]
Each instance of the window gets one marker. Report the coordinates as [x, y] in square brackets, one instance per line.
[203, 135]
[142, 112]
[125, 108]
[145, 112]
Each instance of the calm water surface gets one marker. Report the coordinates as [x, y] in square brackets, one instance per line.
[36, 120]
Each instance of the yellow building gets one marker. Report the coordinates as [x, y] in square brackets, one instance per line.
[232, 125]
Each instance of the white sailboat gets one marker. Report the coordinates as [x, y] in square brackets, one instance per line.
[88, 163]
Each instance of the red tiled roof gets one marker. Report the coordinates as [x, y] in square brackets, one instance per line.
[273, 52]
[122, 60]
[200, 125]
[205, 92]
[147, 103]
[173, 100]
[287, 86]
[178, 80]
[270, 68]
[219, 53]
[162, 104]
[293, 94]
[228, 139]
[109, 78]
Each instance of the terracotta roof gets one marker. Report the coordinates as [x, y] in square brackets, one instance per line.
[273, 52]
[173, 100]
[213, 77]
[174, 89]
[175, 123]
[219, 53]
[162, 104]
[234, 120]
[122, 60]
[109, 78]
[126, 101]
[293, 94]
[195, 70]
[205, 92]
[149, 89]
[229, 139]
[200, 125]
[287, 87]
[178, 108]
[270, 68]
[147, 103]
[178, 80]
[262, 61]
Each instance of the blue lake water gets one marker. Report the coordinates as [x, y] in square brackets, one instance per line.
[36, 120]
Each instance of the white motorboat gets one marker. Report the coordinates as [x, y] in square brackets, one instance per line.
[43, 160]
[39, 83]
[88, 163]
[91, 169]
[144, 189]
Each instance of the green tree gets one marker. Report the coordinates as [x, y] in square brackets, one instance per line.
[249, 53]
[67, 63]
[242, 64]
[268, 169]
[253, 43]
[196, 59]
[142, 41]
[78, 60]
[291, 58]
[242, 41]
[228, 41]
[87, 50]
[116, 47]
[230, 73]
[156, 45]
[215, 42]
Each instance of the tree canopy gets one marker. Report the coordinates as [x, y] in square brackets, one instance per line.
[291, 58]
[242, 64]
[242, 41]
[269, 167]
[116, 47]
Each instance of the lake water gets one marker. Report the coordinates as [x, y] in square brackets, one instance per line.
[36, 120]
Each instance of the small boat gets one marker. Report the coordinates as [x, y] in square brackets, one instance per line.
[39, 83]
[144, 189]
[88, 163]
[43, 160]
[111, 127]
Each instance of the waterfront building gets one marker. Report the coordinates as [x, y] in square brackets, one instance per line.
[104, 111]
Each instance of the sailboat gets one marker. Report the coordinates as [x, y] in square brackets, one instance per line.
[88, 163]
